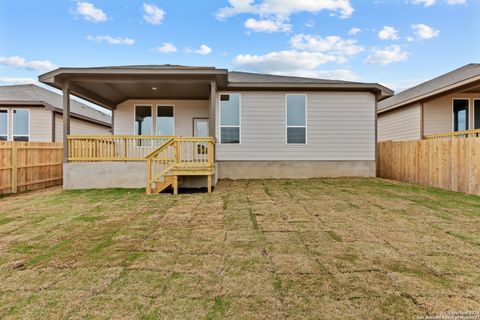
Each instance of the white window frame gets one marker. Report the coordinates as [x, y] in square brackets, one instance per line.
[473, 113]
[220, 126]
[306, 120]
[135, 118]
[156, 116]
[12, 127]
[468, 113]
[8, 122]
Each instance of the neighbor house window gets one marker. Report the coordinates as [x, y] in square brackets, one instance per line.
[296, 118]
[476, 114]
[165, 121]
[460, 114]
[143, 123]
[3, 125]
[230, 118]
[21, 124]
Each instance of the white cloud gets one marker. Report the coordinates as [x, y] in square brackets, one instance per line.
[387, 55]
[284, 8]
[279, 62]
[13, 80]
[426, 3]
[89, 12]
[204, 50]
[402, 85]
[268, 25]
[309, 23]
[111, 40]
[334, 45]
[335, 74]
[153, 14]
[21, 63]
[354, 31]
[167, 47]
[429, 3]
[424, 31]
[388, 33]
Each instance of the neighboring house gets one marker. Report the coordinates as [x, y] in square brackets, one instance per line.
[203, 121]
[31, 113]
[449, 103]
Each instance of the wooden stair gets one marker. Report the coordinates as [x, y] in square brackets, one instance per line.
[168, 181]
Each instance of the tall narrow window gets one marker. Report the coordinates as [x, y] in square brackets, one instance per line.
[165, 121]
[143, 120]
[460, 114]
[230, 118]
[476, 113]
[296, 119]
[3, 125]
[21, 124]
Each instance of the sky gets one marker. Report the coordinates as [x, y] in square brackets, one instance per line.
[398, 43]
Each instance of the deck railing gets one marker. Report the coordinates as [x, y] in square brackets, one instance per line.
[181, 156]
[112, 148]
[456, 134]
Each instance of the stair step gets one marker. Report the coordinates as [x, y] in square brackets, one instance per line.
[162, 185]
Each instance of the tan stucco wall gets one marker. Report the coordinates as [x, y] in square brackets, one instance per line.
[400, 124]
[294, 169]
[438, 112]
[184, 111]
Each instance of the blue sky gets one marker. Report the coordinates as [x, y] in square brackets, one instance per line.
[394, 42]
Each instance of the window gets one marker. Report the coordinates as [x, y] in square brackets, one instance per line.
[476, 113]
[230, 118]
[143, 123]
[3, 125]
[143, 120]
[165, 121]
[21, 124]
[460, 114]
[296, 118]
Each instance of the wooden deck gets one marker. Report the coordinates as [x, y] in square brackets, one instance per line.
[456, 134]
[167, 157]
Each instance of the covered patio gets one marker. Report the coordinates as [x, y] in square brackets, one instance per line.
[163, 121]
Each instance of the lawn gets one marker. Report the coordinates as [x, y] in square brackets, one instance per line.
[266, 249]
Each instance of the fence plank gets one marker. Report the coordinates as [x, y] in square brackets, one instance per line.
[30, 166]
[450, 163]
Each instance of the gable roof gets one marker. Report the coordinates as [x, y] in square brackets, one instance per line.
[442, 84]
[30, 94]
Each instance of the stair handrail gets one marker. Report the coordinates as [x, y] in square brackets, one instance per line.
[150, 158]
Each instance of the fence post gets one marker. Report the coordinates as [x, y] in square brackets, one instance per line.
[14, 168]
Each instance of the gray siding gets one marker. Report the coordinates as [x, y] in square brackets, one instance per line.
[438, 112]
[340, 126]
[78, 126]
[400, 124]
[40, 123]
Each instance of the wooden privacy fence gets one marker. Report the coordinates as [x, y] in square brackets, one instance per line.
[448, 163]
[30, 166]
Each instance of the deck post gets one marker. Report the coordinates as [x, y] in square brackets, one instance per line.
[209, 184]
[211, 112]
[175, 185]
[66, 119]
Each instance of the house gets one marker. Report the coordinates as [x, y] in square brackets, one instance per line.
[444, 106]
[185, 125]
[31, 113]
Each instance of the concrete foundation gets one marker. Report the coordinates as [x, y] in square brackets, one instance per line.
[294, 169]
[102, 175]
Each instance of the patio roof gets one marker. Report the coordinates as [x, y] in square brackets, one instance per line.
[109, 86]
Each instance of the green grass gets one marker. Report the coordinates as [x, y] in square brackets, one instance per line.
[347, 248]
